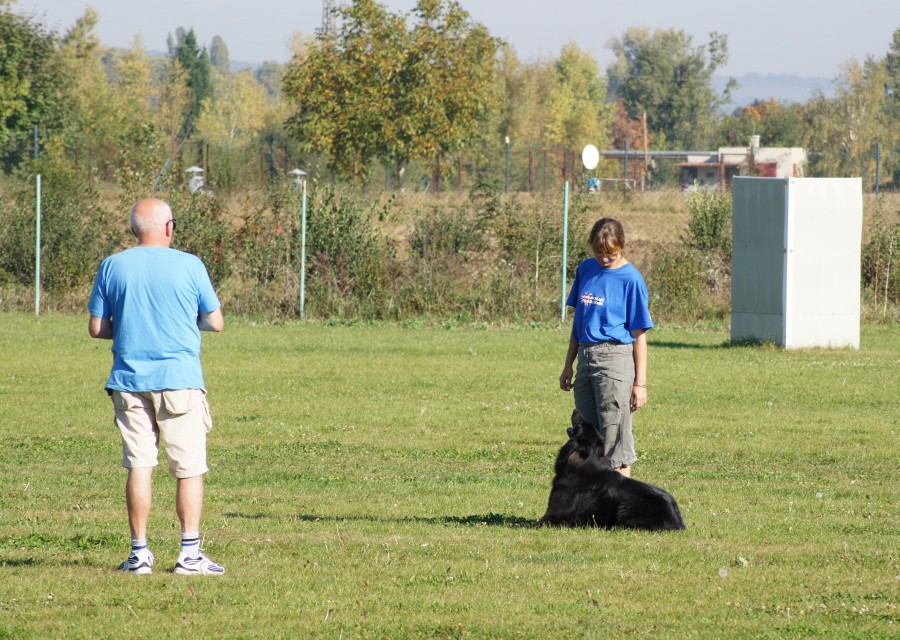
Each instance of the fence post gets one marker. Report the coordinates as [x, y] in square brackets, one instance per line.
[531, 170]
[565, 250]
[507, 164]
[37, 249]
[877, 165]
[303, 252]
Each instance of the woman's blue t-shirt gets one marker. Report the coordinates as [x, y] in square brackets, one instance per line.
[608, 303]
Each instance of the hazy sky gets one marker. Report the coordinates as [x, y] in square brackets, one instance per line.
[800, 37]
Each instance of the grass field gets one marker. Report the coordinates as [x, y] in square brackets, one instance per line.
[381, 482]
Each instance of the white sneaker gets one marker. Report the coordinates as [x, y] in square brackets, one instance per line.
[140, 563]
[187, 565]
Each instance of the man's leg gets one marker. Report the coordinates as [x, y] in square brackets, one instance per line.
[189, 505]
[189, 502]
[138, 500]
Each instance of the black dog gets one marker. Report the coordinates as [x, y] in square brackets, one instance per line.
[587, 492]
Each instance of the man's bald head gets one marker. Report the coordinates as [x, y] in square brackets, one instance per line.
[149, 220]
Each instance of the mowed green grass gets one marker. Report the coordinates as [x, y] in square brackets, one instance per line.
[381, 482]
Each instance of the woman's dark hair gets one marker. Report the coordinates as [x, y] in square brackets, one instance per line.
[607, 236]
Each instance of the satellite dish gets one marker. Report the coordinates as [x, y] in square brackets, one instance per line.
[590, 157]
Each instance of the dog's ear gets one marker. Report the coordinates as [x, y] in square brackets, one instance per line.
[577, 418]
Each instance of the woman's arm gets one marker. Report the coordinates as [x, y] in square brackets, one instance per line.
[565, 378]
[639, 390]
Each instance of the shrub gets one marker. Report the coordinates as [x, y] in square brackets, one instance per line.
[879, 264]
[693, 281]
[76, 232]
[709, 228]
[202, 230]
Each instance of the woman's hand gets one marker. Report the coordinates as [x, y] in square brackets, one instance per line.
[565, 378]
[638, 397]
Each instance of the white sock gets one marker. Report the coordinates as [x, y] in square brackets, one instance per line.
[190, 544]
[138, 546]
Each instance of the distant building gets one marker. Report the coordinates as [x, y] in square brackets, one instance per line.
[712, 170]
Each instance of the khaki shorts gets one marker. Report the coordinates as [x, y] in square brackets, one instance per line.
[182, 418]
[602, 389]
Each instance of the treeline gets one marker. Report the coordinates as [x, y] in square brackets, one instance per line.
[426, 88]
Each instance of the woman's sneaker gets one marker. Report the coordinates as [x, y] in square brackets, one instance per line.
[186, 565]
[140, 563]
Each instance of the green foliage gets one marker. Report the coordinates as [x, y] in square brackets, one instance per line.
[579, 113]
[195, 61]
[686, 286]
[842, 132]
[693, 281]
[709, 229]
[218, 55]
[660, 73]
[879, 264]
[76, 233]
[379, 90]
[444, 86]
[343, 88]
[202, 230]
[776, 124]
[29, 81]
[349, 261]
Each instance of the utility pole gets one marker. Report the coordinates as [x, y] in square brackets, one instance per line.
[328, 26]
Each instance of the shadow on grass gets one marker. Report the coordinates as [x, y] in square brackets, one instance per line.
[727, 344]
[488, 520]
[23, 562]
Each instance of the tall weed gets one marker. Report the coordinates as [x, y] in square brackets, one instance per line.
[881, 294]
[693, 281]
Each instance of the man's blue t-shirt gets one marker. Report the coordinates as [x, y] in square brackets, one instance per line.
[153, 296]
[608, 303]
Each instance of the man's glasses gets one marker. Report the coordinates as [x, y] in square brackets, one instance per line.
[174, 224]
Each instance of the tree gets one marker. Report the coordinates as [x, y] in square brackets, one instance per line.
[378, 89]
[132, 99]
[175, 104]
[343, 86]
[660, 73]
[444, 87]
[626, 129]
[579, 113]
[778, 125]
[218, 55]
[237, 110]
[843, 131]
[29, 80]
[194, 60]
[90, 117]
[525, 91]
[269, 75]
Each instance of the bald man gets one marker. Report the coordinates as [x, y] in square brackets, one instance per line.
[152, 301]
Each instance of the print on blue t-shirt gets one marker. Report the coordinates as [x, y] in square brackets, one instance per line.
[608, 303]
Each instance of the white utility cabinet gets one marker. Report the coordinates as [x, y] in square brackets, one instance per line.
[795, 277]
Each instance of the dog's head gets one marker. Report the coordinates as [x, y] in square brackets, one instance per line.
[584, 450]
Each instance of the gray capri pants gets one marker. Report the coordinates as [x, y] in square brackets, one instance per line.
[602, 389]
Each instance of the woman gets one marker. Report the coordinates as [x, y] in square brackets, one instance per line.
[609, 336]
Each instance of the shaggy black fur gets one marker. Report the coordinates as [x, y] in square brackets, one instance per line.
[587, 492]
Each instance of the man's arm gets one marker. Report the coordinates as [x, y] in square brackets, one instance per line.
[100, 328]
[212, 321]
